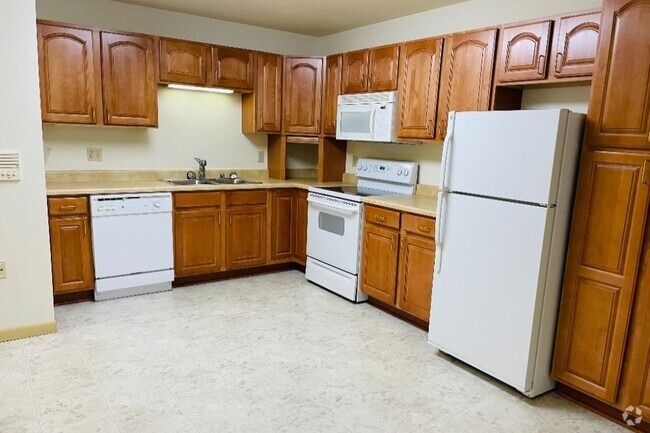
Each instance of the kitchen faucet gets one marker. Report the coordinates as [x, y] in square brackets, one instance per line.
[202, 164]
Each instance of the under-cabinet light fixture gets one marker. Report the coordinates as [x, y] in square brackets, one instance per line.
[200, 89]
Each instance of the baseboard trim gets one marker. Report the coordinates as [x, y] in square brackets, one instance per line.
[27, 331]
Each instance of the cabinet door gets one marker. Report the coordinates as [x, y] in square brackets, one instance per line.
[619, 106]
[355, 72]
[524, 52]
[72, 263]
[301, 226]
[303, 92]
[576, 45]
[384, 65]
[416, 257]
[466, 78]
[183, 62]
[268, 93]
[600, 277]
[197, 241]
[379, 263]
[233, 68]
[68, 76]
[419, 74]
[283, 234]
[130, 93]
[246, 237]
[332, 92]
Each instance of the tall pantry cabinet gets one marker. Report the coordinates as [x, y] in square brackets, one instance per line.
[603, 339]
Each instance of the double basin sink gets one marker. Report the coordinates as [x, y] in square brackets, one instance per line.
[212, 181]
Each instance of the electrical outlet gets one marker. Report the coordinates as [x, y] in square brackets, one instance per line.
[3, 269]
[260, 156]
[94, 154]
[355, 160]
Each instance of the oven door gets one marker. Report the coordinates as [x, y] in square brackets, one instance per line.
[355, 122]
[333, 231]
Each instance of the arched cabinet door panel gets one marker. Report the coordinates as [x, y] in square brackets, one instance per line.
[524, 52]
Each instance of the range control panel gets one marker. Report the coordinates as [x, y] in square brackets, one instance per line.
[388, 171]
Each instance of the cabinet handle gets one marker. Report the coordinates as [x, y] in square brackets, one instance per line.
[380, 218]
[85, 230]
[261, 121]
[558, 62]
[392, 244]
[402, 244]
[423, 228]
[541, 65]
[230, 218]
[219, 219]
[107, 114]
[67, 208]
[644, 174]
[92, 114]
[369, 81]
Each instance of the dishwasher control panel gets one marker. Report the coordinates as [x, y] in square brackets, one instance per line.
[130, 204]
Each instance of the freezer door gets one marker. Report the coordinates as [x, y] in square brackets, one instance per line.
[514, 155]
[488, 295]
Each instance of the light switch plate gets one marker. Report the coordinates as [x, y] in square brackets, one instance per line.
[260, 156]
[94, 154]
[3, 270]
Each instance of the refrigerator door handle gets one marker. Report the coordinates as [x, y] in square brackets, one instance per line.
[439, 230]
[446, 150]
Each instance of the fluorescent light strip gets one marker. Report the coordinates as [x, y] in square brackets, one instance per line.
[200, 89]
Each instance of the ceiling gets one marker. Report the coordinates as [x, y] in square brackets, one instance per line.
[309, 17]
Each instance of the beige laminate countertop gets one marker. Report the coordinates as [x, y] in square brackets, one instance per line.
[417, 204]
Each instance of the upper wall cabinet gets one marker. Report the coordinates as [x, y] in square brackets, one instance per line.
[466, 78]
[262, 110]
[419, 77]
[619, 108]
[129, 78]
[524, 52]
[233, 68]
[575, 46]
[183, 62]
[333, 65]
[303, 90]
[69, 74]
[371, 70]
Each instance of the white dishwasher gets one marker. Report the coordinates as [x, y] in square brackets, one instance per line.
[132, 244]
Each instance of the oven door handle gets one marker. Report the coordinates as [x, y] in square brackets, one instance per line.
[331, 206]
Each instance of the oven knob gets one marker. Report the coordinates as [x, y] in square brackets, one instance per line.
[112, 208]
[406, 172]
[156, 204]
[100, 208]
[359, 167]
[399, 172]
[365, 168]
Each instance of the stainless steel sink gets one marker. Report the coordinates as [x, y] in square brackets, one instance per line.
[211, 181]
[236, 181]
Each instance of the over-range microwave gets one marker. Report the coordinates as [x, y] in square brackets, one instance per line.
[367, 117]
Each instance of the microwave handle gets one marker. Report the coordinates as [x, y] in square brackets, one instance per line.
[373, 115]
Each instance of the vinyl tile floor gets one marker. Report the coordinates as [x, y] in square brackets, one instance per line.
[269, 353]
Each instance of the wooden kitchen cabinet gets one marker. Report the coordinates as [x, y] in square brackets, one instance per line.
[379, 262]
[416, 261]
[602, 265]
[70, 76]
[183, 62]
[575, 46]
[129, 79]
[419, 75]
[383, 68]
[301, 226]
[355, 72]
[282, 230]
[303, 92]
[524, 50]
[466, 79]
[233, 68]
[245, 229]
[71, 245]
[333, 67]
[197, 233]
[619, 106]
[262, 110]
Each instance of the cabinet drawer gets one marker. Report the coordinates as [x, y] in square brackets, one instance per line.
[197, 199]
[418, 225]
[382, 217]
[238, 198]
[68, 206]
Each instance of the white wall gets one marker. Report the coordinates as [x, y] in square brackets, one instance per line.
[207, 125]
[468, 15]
[575, 98]
[127, 17]
[26, 294]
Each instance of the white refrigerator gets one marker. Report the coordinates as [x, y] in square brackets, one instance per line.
[504, 209]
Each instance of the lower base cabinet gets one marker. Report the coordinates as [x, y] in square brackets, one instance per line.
[71, 245]
[397, 260]
[301, 227]
[282, 234]
[245, 229]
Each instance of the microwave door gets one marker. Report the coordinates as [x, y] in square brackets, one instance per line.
[354, 122]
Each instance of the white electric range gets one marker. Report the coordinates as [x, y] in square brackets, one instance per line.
[335, 217]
